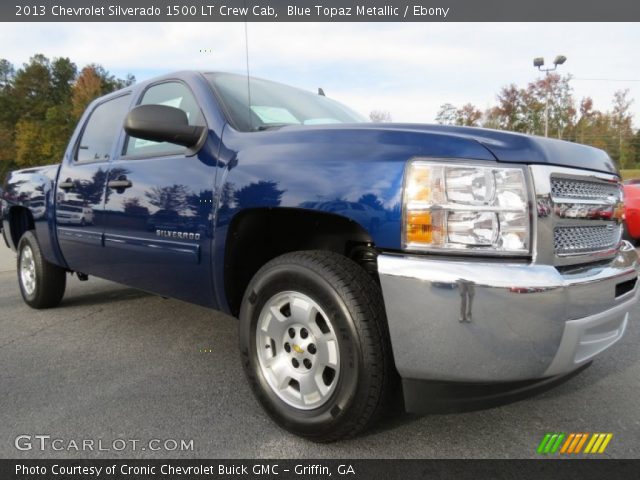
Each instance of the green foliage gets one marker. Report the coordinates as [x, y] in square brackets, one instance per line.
[40, 104]
[630, 174]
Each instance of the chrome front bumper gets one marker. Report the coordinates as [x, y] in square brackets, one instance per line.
[481, 321]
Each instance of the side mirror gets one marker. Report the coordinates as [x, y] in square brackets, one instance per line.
[161, 123]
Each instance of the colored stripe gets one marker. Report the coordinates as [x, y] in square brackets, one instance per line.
[567, 443]
[596, 445]
[554, 449]
[605, 443]
[547, 448]
[575, 442]
[584, 439]
[594, 437]
[543, 443]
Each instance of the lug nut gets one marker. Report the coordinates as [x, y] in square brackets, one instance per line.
[295, 363]
[307, 363]
[287, 347]
[292, 332]
[304, 333]
[311, 349]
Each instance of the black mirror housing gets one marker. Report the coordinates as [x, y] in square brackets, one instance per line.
[161, 123]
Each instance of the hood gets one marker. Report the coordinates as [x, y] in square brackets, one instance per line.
[519, 148]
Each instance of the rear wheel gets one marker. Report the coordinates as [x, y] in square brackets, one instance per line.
[315, 345]
[42, 284]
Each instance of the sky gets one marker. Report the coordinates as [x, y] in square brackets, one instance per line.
[408, 69]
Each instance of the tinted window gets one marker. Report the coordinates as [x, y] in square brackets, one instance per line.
[172, 94]
[274, 104]
[101, 130]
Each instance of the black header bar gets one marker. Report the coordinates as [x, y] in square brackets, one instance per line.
[320, 11]
[240, 469]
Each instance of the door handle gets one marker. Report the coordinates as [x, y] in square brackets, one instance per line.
[68, 184]
[119, 184]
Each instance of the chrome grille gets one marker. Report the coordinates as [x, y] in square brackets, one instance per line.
[575, 240]
[582, 189]
[577, 210]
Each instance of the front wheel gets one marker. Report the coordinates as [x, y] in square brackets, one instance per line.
[42, 284]
[314, 344]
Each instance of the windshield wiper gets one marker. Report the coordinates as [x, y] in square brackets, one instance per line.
[269, 126]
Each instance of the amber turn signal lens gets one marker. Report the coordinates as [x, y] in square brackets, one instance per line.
[419, 227]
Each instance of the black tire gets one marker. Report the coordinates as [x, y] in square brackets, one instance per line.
[50, 280]
[353, 303]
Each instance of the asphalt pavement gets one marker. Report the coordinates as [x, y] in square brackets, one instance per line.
[115, 366]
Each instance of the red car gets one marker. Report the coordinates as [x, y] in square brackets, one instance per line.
[632, 210]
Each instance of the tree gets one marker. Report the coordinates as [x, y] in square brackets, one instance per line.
[510, 112]
[87, 88]
[636, 148]
[447, 114]
[523, 110]
[468, 116]
[622, 124]
[27, 142]
[7, 71]
[553, 92]
[380, 116]
[63, 76]
[40, 104]
[32, 87]
[585, 119]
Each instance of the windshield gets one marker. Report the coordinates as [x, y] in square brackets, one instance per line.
[274, 104]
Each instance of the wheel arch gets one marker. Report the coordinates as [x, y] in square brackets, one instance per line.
[257, 235]
[20, 220]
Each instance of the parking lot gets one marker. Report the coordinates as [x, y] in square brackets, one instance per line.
[115, 363]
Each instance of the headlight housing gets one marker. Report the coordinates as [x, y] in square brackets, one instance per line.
[466, 207]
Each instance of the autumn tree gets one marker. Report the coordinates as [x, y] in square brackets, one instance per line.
[511, 111]
[621, 120]
[93, 82]
[585, 120]
[468, 116]
[88, 87]
[40, 104]
[552, 94]
[522, 109]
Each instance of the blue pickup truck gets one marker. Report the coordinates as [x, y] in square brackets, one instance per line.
[359, 258]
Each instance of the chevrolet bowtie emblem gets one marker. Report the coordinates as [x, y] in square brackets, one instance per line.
[297, 348]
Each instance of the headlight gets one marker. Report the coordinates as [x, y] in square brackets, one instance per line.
[449, 206]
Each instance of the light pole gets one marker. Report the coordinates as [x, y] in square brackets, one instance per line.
[539, 63]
